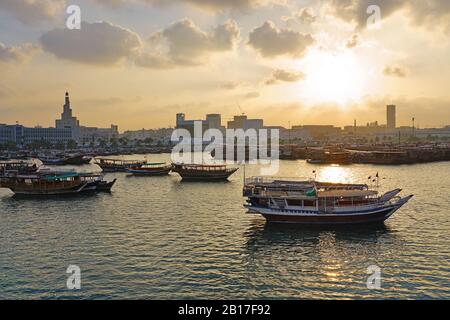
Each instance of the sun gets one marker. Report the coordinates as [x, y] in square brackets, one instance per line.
[338, 78]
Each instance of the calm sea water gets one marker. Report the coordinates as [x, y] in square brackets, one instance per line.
[157, 238]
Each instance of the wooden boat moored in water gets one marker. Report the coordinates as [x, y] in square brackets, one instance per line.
[116, 165]
[150, 169]
[54, 183]
[285, 200]
[18, 167]
[201, 172]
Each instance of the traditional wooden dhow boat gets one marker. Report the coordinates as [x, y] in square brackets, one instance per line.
[285, 200]
[43, 184]
[329, 157]
[77, 160]
[54, 183]
[116, 165]
[202, 172]
[105, 186]
[18, 167]
[150, 169]
[61, 160]
[96, 183]
[52, 160]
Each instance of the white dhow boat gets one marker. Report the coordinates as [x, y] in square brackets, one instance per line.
[289, 200]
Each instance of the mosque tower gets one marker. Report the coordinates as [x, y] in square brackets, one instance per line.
[67, 119]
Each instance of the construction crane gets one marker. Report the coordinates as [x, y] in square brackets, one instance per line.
[240, 109]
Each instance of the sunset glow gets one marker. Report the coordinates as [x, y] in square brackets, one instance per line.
[337, 78]
[141, 63]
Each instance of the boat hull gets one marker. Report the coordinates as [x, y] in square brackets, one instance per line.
[195, 175]
[53, 162]
[161, 172]
[99, 186]
[78, 160]
[330, 220]
[285, 216]
[105, 186]
[205, 178]
[52, 192]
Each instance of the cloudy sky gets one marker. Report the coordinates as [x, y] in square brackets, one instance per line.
[136, 63]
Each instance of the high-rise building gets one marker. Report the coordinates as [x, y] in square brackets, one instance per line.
[214, 121]
[391, 117]
[242, 122]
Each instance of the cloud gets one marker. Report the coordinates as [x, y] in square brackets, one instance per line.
[355, 11]
[230, 85]
[185, 44]
[210, 5]
[17, 54]
[280, 75]
[251, 95]
[218, 5]
[31, 11]
[153, 61]
[99, 43]
[353, 41]
[305, 16]
[110, 3]
[431, 13]
[394, 72]
[272, 42]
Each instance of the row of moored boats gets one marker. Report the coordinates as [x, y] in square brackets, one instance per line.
[282, 200]
[193, 172]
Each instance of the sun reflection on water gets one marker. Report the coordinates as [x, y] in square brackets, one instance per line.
[335, 173]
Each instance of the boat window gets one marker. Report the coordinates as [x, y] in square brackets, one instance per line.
[309, 203]
[293, 202]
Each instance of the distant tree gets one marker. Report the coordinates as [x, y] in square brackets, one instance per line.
[148, 140]
[103, 143]
[60, 146]
[8, 145]
[124, 141]
[114, 143]
[72, 144]
[40, 144]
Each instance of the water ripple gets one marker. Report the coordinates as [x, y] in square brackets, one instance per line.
[156, 238]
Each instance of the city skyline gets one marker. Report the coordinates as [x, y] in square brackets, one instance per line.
[303, 62]
[70, 120]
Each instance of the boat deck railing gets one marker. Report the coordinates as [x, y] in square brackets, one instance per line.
[296, 182]
[204, 168]
[271, 180]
